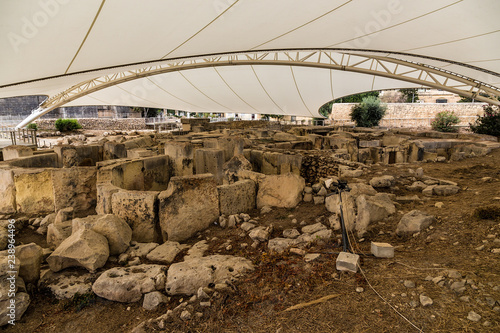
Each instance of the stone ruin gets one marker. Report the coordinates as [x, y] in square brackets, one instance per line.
[129, 198]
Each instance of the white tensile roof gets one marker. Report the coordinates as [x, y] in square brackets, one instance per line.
[244, 56]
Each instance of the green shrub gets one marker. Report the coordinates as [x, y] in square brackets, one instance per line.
[369, 112]
[65, 125]
[445, 121]
[32, 126]
[489, 123]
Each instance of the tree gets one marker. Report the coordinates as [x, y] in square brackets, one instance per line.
[147, 112]
[357, 98]
[489, 123]
[410, 95]
[326, 109]
[445, 121]
[369, 112]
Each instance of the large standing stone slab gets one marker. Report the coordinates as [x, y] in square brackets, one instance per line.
[280, 191]
[190, 204]
[210, 161]
[372, 209]
[85, 248]
[237, 198]
[75, 187]
[8, 190]
[181, 156]
[128, 284]
[140, 210]
[34, 191]
[185, 278]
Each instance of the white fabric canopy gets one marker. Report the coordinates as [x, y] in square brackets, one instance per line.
[49, 46]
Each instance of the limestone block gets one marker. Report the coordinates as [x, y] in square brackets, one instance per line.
[347, 262]
[231, 146]
[280, 191]
[87, 155]
[190, 204]
[382, 181]
[237, 198]
[117, 232]
[210, 161]
[185, 278]
[75, 187]
[31, 257]
[104, 194]
[128, 284]
[156, 172]
[413, 222]
[57, 233]
[85, 248]
[139, 209]
[16, 151]
[332, 204]
[45, 160]
[282, 136]
[372, 209]
[8, 190]
[382, 250]
[34, 191]
[181, 156]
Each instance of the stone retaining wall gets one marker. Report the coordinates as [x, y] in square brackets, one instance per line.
[124, 124]
[412, 114]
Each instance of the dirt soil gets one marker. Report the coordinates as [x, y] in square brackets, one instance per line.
[259, 299]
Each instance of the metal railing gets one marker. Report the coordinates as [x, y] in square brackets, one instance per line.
[23, 135]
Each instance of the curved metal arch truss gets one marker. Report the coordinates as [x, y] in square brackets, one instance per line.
[413, 72]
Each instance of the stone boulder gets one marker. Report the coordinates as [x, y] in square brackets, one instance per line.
[190, 204]
[5, 273]
[31, 257]
[22, 301]
[66, 284]
[115, 229]
[414, 222]
[279, 245]
[372, 209]
[58, 232]
[332, 204]
[44, 224]
[185, 278]
[64, 214]
[237, 198]
[165, 253]
[85, 248]
[280, 191]
[128, 284]
[8, 190]
[445, 190]
[382, 181]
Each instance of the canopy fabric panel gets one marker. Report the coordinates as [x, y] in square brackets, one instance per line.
[52, 45]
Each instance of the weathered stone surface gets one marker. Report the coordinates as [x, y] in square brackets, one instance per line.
[16, 151]
[81, 194]
[6, 276]
[57, 233]
[165, 253]
[280, 191]
[31, 257]
[383, 181]
[190, 204]
[139, 210]
[22, 302]
[64, 214]
[210, 161]
[128, 284]
[34, 191]
[382, 250]
[185, 278]
[141, 249]
[260, 234]
[413, 222]
[230, 146]
[279, 245]
[237, 198]
[44, 224]
[291, 233]
[234, 165]
[7, 188]
[282, 136]
[70, 155]
[181, 156]
[348, 207]
[372, 209]
[311, 229]
[66, 284]
[153, 299]
[115, 229]
[85, 248]
[105, 193]
[445, 190]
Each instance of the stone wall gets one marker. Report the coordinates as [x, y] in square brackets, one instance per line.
[123, 124]
[412, 114]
